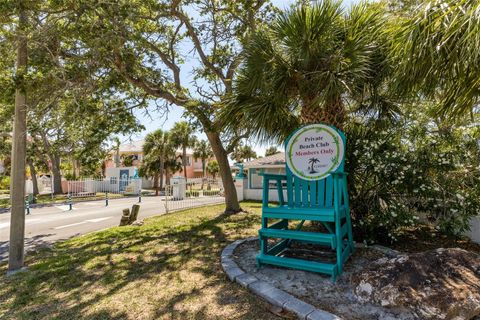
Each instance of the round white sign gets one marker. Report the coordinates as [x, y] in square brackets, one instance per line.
[314, 151]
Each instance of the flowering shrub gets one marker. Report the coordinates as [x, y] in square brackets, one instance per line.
[4, 182]
[405, 173]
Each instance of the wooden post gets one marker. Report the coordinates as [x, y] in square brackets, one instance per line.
[125, 220]
[134, 214]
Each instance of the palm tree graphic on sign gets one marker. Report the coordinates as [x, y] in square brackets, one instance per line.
[312, 161]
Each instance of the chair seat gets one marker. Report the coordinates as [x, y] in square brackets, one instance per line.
[326, 214]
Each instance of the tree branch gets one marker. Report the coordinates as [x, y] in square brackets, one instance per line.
[198, 45]
[144, 84]
[170, 63]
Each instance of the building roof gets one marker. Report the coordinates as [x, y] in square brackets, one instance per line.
[137, 147]
[273, 160]
[133, 146]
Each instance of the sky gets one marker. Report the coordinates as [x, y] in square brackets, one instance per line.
[153, 120]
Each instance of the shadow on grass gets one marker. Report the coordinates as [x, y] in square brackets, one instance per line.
[168, 268]
[34, 242]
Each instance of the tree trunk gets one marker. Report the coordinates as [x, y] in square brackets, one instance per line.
[162, 164]
[203, 173]
[76, 169]
[33, 174]
[155, 183]
[231, 200]
[167, 177]
[184, 162]
[332, 113]
[57, 176]
[19, 146]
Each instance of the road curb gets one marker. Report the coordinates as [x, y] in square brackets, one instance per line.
[268, 292]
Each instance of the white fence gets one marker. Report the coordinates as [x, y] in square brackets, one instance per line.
[193, 193]
[92, 187]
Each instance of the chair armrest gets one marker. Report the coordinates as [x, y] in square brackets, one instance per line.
[340, 173]
[273, 176]
[266, 180]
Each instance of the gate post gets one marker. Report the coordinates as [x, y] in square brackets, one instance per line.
[240, 183]
[179, 188]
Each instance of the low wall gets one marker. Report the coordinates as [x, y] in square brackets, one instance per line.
[474, 232]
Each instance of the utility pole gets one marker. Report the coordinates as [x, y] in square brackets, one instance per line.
[17, 186]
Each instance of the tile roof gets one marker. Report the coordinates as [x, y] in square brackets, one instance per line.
[275, 159]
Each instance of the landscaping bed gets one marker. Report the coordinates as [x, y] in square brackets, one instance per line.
[381, 283]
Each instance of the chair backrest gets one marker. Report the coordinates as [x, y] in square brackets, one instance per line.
[318, 193]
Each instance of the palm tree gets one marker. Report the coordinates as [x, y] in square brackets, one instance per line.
[271, 151]
[307, 65]
[441, 38]
[213, 168]
[155, 149]
[182, 136]
[116, 147]
[171, 166]
[241, 153]
[312, 161]
[203, 151]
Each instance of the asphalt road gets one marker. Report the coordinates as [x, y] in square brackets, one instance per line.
[49, 224]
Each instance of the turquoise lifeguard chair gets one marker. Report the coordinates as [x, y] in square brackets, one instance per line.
[315, 191]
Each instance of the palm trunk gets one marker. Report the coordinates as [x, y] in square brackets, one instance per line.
[155, 183]
[184, 162]
[19, 146]
[162, 164]
[203, 173]
[332, 113]
[231, 200]
[167, 177]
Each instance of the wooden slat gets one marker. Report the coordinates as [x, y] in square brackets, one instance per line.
[289, 188]
[313, 193]
[327, 268]
[300, 216]
[310, 237]
[321, 193]
[329, 191]
[297, 184]
[305, 184]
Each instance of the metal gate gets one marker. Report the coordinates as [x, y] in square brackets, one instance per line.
[183, 194]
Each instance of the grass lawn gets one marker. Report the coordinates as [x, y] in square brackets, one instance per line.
[169, 268]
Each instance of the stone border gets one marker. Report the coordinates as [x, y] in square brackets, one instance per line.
[268, 292]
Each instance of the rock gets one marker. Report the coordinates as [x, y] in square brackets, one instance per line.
[138, 223]
[435, 284]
